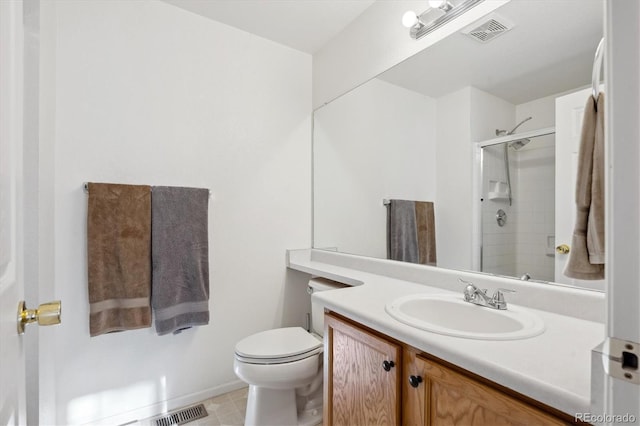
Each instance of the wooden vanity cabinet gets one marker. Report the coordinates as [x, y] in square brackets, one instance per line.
[435, 394]
[361, 376]
[417, 390]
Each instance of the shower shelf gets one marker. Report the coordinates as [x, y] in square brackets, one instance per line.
[498, 190]
[498, 196]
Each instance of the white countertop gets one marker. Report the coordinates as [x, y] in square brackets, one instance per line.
[553, 368]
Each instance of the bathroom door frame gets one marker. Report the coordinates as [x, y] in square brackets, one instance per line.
[622, 78]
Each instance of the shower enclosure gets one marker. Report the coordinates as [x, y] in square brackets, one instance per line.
[518, 205]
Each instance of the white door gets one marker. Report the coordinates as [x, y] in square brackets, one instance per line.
[12, 364]
[569, 114]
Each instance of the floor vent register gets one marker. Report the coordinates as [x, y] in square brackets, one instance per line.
[182, 416]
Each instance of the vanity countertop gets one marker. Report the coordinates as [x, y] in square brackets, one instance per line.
[553, 367]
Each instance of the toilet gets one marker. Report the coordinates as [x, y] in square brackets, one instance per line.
[283, 368]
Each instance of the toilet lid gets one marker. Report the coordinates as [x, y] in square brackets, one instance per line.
[278, 343]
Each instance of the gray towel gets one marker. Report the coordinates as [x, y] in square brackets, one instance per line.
[586, 259]
[411, 232]
[180, 258]
[402, 232]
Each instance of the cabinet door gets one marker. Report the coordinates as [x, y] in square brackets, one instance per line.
[361, 385]
[447, 397]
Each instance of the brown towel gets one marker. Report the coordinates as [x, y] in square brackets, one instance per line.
[425, 221]
[586, 260]
[119, 257]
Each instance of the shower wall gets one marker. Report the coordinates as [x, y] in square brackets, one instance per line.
[498, 242]
[534, 190]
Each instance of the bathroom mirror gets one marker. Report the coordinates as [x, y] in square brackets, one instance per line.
[414, 132]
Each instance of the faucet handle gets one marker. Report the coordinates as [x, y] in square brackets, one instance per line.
[469, 289]
[465, 282]
[498, 297]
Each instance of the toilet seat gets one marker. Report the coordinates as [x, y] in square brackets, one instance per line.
[278, 346]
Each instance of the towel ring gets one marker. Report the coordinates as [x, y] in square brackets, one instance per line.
[597, 66]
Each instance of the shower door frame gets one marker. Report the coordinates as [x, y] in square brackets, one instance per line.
[478, 187]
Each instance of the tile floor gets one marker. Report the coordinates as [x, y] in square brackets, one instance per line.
[226, 409]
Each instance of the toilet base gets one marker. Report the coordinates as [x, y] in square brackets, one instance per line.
[271, 407]
[278, 407]
[311, 414]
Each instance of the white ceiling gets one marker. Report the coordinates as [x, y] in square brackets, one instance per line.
[304, 25]
[550, 50]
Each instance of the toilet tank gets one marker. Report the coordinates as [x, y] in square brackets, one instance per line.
[317, 311]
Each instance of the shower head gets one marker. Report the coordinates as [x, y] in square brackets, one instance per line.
[519, 143]
[504, 132]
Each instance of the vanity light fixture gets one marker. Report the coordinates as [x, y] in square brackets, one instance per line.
[439, 13]
[440, 4]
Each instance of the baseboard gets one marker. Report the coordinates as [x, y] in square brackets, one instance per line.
[162, 407]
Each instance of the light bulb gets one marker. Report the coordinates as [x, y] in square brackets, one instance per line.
[409, 19]
[440, 4]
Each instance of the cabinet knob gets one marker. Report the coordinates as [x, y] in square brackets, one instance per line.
[388, 365]
[415, 381]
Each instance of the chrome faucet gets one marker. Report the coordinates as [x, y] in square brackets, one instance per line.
[473, 294]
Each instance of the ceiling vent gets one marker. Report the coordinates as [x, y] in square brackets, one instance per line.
[490, 28]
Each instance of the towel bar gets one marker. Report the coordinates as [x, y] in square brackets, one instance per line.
[85, 187]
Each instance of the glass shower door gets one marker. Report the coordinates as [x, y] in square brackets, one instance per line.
[518, 208]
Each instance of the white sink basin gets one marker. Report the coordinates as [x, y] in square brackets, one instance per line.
[451, 315]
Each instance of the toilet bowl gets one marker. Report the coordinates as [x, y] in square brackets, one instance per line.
[283, 368]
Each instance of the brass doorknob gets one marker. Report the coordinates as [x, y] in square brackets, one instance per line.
[46, 314]
[563, 249]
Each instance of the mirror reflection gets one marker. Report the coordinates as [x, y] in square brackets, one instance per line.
[518, 208]
[429, 129]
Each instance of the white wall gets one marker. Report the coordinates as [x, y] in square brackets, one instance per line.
[375, 142]
[465, 117]
[454, 181]
[151, 94]
[488, 113]
[542, 111]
